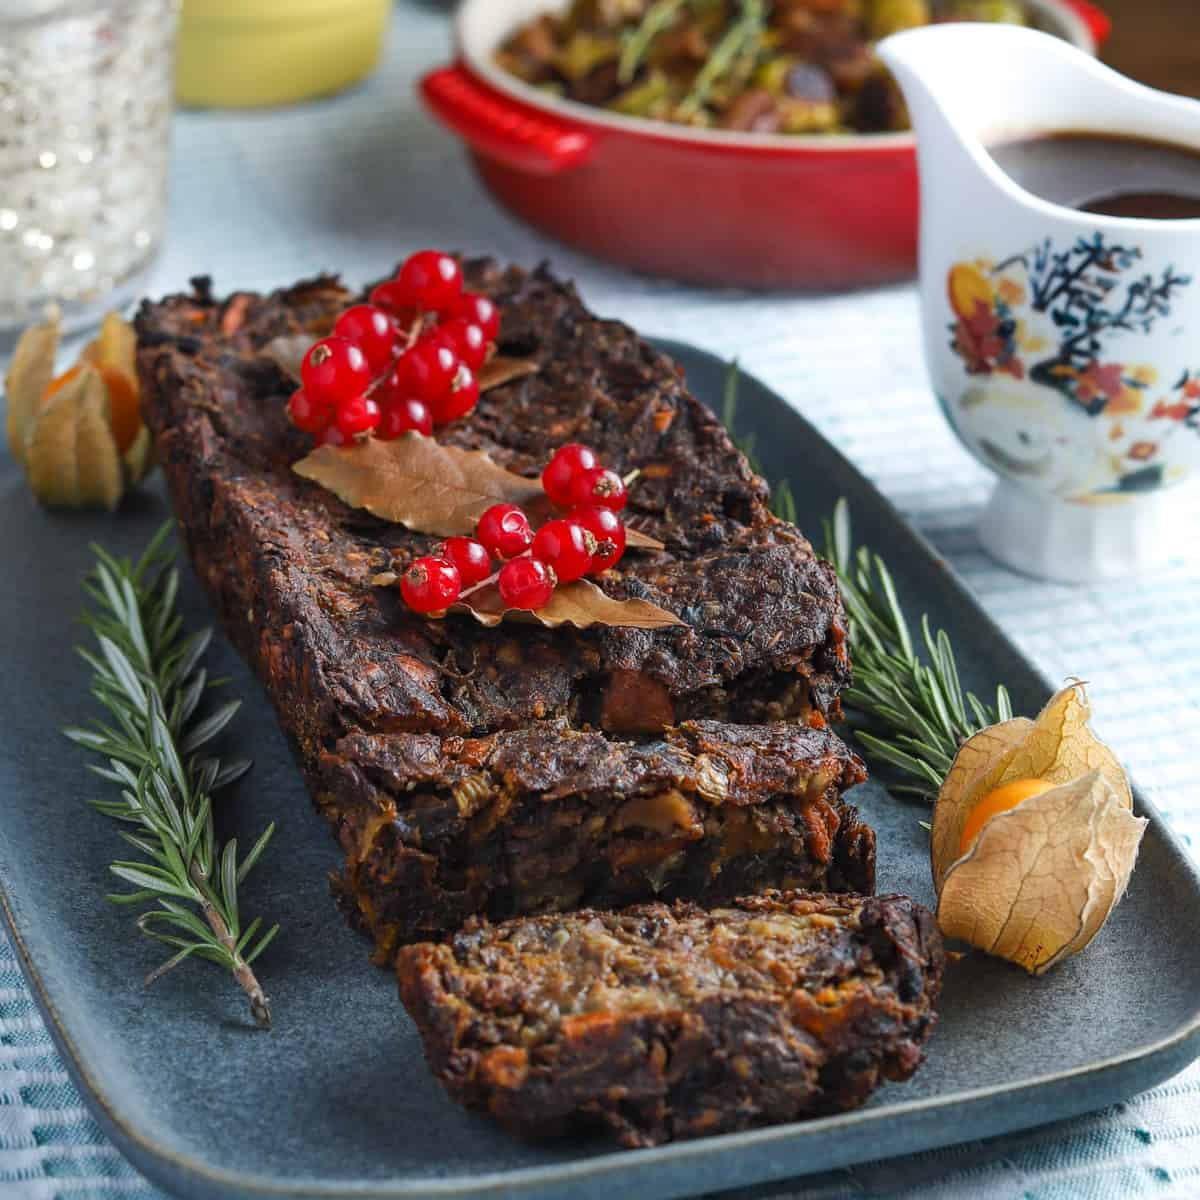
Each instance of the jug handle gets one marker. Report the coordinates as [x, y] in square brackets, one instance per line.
[1098, 22]
[500, 128]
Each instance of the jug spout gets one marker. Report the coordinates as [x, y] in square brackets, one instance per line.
[932, 72]
[982, 79]
[967, 85]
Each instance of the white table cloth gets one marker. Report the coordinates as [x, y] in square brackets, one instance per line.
[355, 182]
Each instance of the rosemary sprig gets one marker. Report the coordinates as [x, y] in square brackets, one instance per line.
[907, 712]
[783, 503]
[148, 675]
[743, 35]
[915, 710]
[659, 17]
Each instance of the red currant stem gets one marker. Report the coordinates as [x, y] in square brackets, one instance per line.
[410, 335]
[492, 578]
[414, 330]
[632, 477]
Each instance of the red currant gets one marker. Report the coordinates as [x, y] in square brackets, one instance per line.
[526, 583]
[601, 487]
[334, 369]
[430, 585]
[504, 531]
[467, 340]
[359, 414]
[567, 547]
[428, 369]
[372, 331]
[479, 310]
[331, 435]
[307, 416]
[609, 531]
[459, 400]
[568, 461]
[432, 279]
[393, 298]
[469, 556]
[401, 416]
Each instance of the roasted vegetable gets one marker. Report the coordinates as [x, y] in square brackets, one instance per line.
[766, 66]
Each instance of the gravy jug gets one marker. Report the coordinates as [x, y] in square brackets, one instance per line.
[1064, 346]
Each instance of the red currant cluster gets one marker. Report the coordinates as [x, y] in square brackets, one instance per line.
[587, 541]
[385, 370]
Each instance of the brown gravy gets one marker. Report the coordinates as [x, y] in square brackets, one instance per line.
[1106, 173]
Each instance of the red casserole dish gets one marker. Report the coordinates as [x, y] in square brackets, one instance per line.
[707, 206]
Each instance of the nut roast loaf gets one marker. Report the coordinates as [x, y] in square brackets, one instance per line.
[519, 769]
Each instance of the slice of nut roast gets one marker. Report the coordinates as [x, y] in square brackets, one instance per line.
[673, 1021]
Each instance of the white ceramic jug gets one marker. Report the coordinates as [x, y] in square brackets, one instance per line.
[1064, 347]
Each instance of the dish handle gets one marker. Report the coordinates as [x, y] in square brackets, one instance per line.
[1098, 22]
[500, 128]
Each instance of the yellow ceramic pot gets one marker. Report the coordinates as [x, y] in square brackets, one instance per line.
[253, 53]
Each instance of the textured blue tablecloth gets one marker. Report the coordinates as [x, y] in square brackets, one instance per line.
[355, 182]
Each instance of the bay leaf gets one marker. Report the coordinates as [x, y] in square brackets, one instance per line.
[426, 486]
[642, 541]
[287, 352]
[417, 482]
[498, 371]
[581, 604]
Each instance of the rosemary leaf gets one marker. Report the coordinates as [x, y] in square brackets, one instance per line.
[912, 715]
[149, 677]
[742, 36]
[658, 18]
[906, 714]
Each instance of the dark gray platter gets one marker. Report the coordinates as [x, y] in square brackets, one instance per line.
[336, 1101]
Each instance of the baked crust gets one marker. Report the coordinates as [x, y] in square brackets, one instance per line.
[664, 1022]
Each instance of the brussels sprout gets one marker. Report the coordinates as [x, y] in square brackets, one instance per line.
[584, 53]
[772, 74]
[886, 17]
[603, 14]
[808, 116]
[643, 98]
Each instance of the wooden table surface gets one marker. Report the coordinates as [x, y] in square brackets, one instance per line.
[1157, 42]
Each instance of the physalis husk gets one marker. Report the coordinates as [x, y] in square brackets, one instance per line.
[1049, 864]
[79, 435]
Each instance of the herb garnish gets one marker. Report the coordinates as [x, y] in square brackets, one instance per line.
[743, 36]
[148, 675]
[916, 711]
[659, 16]
[906, 713]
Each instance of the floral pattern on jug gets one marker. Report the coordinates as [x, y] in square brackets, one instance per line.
[1100, 422]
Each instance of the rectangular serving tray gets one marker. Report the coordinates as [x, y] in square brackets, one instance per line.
[335, 1101]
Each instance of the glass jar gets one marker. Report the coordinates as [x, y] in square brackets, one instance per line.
[85, 118]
